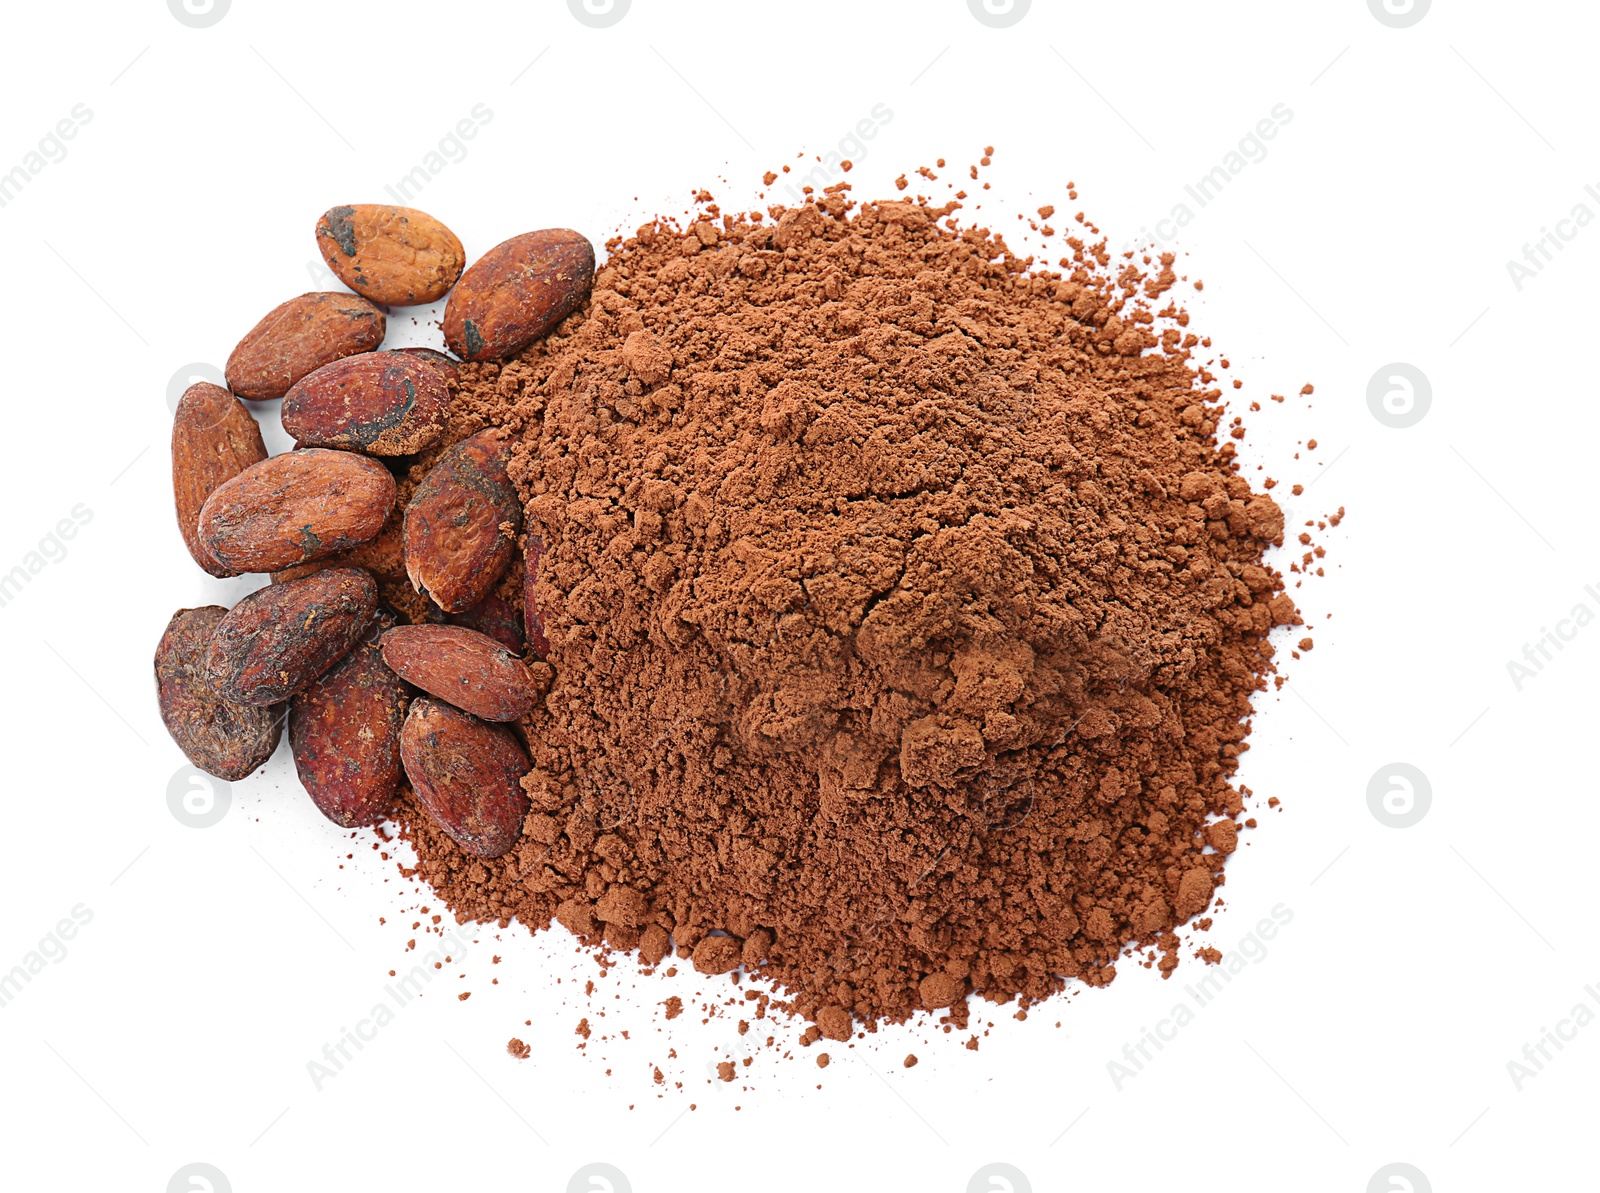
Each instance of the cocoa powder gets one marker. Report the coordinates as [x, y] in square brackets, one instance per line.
[904, 612]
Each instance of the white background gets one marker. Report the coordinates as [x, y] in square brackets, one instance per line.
[1378, 1026]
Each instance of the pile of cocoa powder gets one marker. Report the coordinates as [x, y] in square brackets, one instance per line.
[903, 611]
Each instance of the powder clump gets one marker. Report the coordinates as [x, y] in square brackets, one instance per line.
[903, 607]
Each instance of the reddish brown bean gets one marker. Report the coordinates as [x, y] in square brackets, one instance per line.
[381, 403]
[214, 439]
[467, 776]
[470, 670]
[499, 619]
[299, 336]
[281, 637]
[294, 508]
[222, 738]
[393, 255]
[517, 292]
[462, 522]
[344, 728]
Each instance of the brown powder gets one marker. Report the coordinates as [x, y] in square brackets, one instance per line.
[903, 608]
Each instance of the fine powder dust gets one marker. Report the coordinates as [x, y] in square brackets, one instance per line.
[904, 612]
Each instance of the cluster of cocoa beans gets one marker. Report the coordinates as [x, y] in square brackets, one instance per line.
[315, 646]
